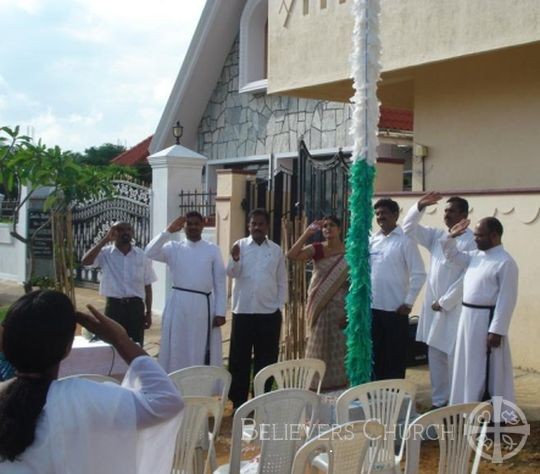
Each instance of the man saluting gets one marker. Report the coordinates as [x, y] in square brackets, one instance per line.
[482, 363]
[195, 308]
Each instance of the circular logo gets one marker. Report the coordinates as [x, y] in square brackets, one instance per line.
[498, 430]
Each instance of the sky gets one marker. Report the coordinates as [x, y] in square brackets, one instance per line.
[80, 73]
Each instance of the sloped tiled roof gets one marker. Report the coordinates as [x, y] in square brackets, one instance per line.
[396, 119]
[134, 156]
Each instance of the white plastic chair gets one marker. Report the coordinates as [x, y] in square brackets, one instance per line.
[204, 381]
[94, 377]
[381, 401]
[345, 446]
[459, 429]
[194, 420]
[297, 373]
[280, 430]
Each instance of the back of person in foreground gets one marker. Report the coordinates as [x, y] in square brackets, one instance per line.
[75, 425]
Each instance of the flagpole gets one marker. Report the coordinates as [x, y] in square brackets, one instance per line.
[365, 68]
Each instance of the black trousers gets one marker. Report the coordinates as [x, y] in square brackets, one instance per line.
[251, 332]
[129, 313]
[390, 335]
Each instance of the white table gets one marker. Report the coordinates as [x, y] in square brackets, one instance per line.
[92, 358]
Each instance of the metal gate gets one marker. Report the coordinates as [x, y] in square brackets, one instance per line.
[92, 220]
[323, 184]
[315, 187]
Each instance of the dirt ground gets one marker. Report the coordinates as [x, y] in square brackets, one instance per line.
[526, 462]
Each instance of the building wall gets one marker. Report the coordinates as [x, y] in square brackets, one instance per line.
[244, 124]
[479, 118]
[312, 46]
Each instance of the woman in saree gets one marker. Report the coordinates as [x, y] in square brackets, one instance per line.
[325, 310]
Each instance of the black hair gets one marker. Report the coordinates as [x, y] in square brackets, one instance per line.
[38, 329]
[259, 212]
[462, 204]
[335, 219]
[196, 214]
[387, 203]
[493, 225]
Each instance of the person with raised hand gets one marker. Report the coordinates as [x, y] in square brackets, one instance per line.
[52, 426]
[195, 308]
[126, 280]
[325, 309]
[482, 362]
[257, 268]
[439, 317]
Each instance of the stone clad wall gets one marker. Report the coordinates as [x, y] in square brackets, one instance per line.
[244, 124]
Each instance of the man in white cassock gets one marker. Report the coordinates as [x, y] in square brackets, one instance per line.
[439, 317]
[195, 308]
[490, 290]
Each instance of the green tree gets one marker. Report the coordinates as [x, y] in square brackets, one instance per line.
[23, 163]
[101, 155]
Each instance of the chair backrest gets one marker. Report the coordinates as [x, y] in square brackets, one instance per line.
[381, 401]
[194, 419]
[202, 381]
[346, 446]
[459, 428]
[297, 373]
[281, 427]
[95, 377]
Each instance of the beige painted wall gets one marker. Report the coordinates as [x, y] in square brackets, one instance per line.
[479, 117]
[520, 216]
[313, 49]
[389, 177]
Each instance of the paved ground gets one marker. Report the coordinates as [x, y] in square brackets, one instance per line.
[527, 383]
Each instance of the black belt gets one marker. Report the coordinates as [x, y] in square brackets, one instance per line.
[209, 329]
[486, 395]
[127, 300]
[478, 306]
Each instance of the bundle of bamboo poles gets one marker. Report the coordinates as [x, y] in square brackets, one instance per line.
[294, 321]
[62, 235]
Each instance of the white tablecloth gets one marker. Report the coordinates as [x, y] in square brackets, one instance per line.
[92, 358]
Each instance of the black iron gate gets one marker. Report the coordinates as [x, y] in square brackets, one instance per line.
[316, 186]
[323, 184]
[92, 220]
[278, 197]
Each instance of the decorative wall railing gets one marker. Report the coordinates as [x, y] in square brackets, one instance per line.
[203, 203]
[7, 208]
[92, 220]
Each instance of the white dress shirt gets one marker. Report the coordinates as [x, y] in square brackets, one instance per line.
[397, 270]
[124, 427]
[260, 277]
[124, 276]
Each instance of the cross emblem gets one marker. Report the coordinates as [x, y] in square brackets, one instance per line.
[286, 6]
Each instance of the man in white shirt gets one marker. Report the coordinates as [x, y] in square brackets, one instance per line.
[257, 266]
[397, 275]
[439, 318]
[126, 279]
[482, 363]
[195, 308]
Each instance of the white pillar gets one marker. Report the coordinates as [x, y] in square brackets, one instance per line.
[174, 169]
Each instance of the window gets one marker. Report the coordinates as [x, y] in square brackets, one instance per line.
[254, 46]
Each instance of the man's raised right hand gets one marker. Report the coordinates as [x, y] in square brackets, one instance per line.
[429, 199]
[176, 225]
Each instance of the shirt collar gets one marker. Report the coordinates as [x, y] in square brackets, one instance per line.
[250, 241]
[116, 249]
[397, 232]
